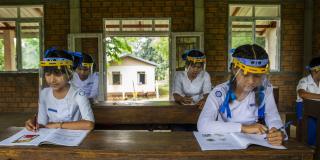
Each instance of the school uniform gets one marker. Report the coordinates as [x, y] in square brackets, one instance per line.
[307, 83]
[90, 85]
[245, 112]
[196, 88]
[74, 106]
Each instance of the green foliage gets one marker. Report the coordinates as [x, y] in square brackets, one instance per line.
[115, 47]
[30, 53]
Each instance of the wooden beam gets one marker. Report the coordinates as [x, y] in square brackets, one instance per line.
[24, 27]
[235, 12]
[38, 11]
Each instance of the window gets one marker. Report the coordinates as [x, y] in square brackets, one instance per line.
[259, 24]
[116, 78]
[20, 37]
[141, 78]
[139, 49]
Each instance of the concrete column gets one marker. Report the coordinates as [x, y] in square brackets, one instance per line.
[75, 21]
[9, 51]
[199, 15]
[308, 27]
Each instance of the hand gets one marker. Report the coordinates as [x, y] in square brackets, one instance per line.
[53, 125]
[254, 128]
[275, 137]
[201, 103]
[186, 100]
[30, 125]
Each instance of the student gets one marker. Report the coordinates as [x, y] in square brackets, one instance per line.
[193, 85]
[243, 104]
[85, 77]
[60, 104]
[309, 88]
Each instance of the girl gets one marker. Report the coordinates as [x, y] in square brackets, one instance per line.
[60, 104]
[309, 88]
[193, 85]
[240, 103]
[85, 78]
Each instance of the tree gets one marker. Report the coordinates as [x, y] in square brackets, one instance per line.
[115, 47]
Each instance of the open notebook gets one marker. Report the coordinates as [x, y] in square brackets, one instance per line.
[231, 141]
[63, 137]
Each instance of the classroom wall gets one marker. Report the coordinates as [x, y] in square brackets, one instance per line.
[19, 92]
[93, 11]
[216, 46]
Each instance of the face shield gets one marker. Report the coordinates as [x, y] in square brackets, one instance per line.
[55, 66]
[194, 60]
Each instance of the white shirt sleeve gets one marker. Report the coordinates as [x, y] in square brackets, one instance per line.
[272, 116]
[209, 121]
[95, 86]
[84, 106]
[303, 83]
[177, 84]
[207, 83]
[42, 110]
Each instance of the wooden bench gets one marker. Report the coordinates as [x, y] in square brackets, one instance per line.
[145, 115]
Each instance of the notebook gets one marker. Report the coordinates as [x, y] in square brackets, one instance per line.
[63, 137]
[231, 141]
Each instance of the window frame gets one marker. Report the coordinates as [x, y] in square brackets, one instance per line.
[138, 34]
[18, 20]
[253, 19]
[139, 73]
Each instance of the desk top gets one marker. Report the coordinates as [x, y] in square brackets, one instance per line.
[101, 144]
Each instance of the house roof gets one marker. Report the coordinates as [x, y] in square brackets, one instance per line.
[137, 58]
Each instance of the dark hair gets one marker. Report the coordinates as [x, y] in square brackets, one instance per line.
[314, 62]
[192, 53]
[249, 52]
[86, 58]
[54, 53]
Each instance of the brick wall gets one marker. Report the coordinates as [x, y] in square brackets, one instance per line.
[216, 46]
[56, 23]
[18, 92]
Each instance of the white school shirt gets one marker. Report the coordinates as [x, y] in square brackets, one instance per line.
[307, 83]
[196, 88]
[242, 112]
[90, 85]
[74, 106]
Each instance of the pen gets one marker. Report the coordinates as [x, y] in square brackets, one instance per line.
[286, 125]
[35, 122]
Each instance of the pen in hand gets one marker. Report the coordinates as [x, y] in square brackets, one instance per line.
[286, 125]
[36, 122]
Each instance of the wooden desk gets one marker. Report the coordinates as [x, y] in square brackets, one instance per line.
[160, 112]
[124, 145]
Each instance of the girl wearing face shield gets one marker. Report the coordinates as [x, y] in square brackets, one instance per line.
[245, 103]
[193, 85]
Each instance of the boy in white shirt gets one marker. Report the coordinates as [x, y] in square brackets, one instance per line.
[309, 88]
